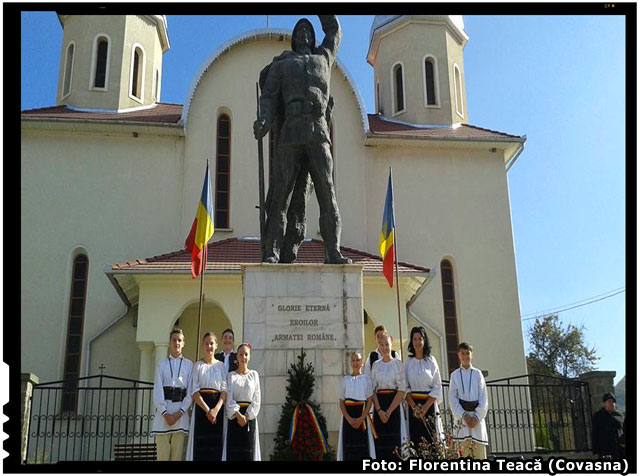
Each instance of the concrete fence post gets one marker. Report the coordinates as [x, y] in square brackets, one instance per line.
[600, 382]
[28, 380]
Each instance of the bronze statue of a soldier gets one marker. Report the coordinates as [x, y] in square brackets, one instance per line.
[295, 86]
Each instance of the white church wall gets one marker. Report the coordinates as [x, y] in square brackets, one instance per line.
[455, 202]
[117, 350]
[118, 197]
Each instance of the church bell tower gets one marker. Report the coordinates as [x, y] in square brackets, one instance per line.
[418, 68]
[111, 63]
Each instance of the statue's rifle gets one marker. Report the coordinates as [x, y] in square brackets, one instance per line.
[260, 181]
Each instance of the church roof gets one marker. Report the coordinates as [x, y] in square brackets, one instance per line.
[379, 125]
[162, 113]
[227, 256]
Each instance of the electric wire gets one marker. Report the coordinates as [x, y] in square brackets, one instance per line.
[567, 307]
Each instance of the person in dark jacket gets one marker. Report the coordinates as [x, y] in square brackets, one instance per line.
[228, 357]
[606, 429]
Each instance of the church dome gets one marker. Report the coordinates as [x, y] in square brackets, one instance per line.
[418, 68]
[381, 21]
[384, 23]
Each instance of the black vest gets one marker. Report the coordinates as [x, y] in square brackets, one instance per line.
[233, 360]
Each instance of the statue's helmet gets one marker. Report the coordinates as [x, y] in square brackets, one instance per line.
[303, 22]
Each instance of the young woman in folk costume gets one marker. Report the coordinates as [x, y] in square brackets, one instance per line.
[243, 405]
[209, 390]
[424, 390]
[355, 440]
[389, 383]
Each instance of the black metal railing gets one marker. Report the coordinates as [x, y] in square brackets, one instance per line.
[109, 412]
[527, 414]
[535, 413]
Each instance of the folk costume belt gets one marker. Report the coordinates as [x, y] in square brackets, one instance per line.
[175, 394]
[386, 391]
[210, 391]
[419, 396]
[469, 406]
[352, 403]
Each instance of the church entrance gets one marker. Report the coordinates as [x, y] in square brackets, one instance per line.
[214, 319]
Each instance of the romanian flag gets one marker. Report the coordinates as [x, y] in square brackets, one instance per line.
[386, 236]
[202, 228]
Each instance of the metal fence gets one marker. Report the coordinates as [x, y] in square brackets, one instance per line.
[109, 412]
[535, 413]
[527, 414]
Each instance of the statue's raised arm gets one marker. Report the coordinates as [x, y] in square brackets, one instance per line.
[333, 35]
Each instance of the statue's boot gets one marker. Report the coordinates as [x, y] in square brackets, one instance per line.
[334, 256]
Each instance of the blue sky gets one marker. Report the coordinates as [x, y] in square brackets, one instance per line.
[558, 79]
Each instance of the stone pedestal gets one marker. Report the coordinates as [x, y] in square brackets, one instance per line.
[290, 307]
[600, 382]
[28, 380]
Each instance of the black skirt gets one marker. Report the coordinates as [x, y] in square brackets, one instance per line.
[355, 441]
[417, 429]
[389, 435]
[207, 438]
[241, 439]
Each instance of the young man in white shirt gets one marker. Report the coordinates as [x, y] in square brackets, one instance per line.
[469, 405]
[172, 399]
[228, 356]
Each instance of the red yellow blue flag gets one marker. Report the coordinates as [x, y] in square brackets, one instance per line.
[386, 235]
[202, 228]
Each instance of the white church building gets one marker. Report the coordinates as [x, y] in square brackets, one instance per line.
[114, 175]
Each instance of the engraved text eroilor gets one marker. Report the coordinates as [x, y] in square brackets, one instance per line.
[304, 322]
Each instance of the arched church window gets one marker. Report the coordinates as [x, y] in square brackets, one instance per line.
[99, 72]
[223, 171]
[450, 315]
[430, 82]
[398, 88]
[137, 73]
[102, 51]
[68, 69]
[457, 79]
[73, 351]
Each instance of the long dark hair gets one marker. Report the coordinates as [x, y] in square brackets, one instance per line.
[427, 345]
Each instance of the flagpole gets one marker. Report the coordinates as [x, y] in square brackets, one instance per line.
[395, 245]
[202, 268]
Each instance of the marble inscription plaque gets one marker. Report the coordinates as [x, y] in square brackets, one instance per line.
[307, 322]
